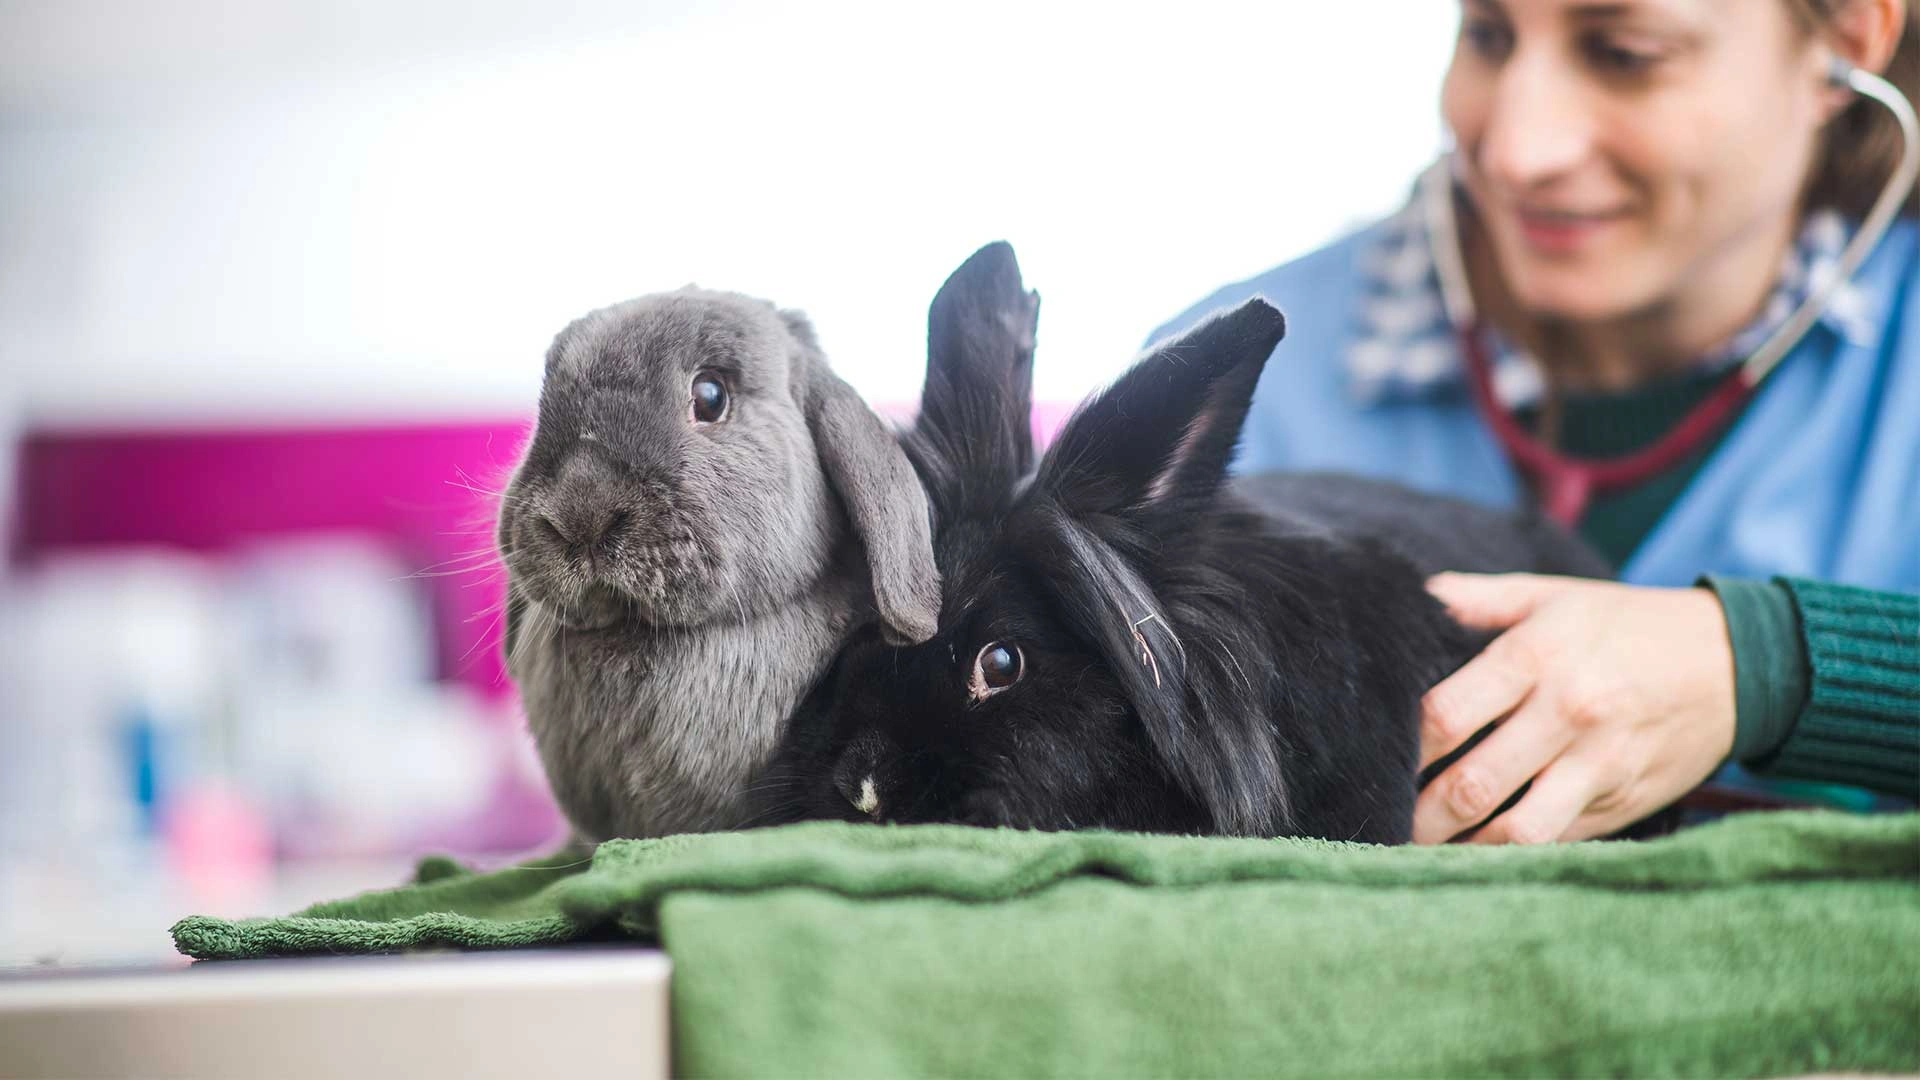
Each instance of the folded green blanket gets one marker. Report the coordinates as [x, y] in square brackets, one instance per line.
[1761, 945]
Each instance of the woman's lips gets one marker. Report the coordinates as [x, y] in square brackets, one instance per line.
[1560, 232]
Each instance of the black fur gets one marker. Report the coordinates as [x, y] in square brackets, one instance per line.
[1198, 658]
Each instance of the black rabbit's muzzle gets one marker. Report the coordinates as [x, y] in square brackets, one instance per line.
[859, 776]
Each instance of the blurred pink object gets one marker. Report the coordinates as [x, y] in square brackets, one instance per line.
[218, 844]
[1048, 418]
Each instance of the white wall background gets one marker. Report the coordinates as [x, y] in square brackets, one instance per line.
[385, 208]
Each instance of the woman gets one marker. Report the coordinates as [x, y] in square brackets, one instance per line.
[1642, 192]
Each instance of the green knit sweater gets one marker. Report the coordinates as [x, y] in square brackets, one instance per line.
[1827, 677]
[1827, 680]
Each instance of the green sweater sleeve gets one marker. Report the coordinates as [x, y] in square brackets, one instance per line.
[1861, 722]
[1826, 682]
[1770, 670]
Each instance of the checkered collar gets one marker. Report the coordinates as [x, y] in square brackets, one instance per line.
[1405, 347]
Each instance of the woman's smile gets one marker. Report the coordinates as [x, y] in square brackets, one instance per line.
[1553, 231]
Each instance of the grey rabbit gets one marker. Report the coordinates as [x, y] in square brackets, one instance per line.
[705, 511]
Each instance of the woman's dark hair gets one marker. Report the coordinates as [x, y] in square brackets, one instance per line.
[1862, 144]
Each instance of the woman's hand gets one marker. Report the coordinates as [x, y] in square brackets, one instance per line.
[1614, 700]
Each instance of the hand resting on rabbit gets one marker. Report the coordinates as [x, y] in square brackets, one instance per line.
[703, 515]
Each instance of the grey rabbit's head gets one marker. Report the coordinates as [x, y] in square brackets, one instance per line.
[689, 464]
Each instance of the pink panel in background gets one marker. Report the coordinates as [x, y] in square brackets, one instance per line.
[425, 490]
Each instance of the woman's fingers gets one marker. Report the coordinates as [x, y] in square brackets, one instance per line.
[1486, 688]
[1550, 810]
[1619, 698]
[1467, 791]
[1493, 601]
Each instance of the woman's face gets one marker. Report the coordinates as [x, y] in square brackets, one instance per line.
[1619, 151]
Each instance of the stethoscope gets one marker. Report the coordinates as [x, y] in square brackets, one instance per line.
[1566, 484]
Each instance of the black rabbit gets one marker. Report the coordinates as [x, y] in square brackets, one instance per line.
[1127, 641]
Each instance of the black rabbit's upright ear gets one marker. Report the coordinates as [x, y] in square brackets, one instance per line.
[976, 411]
[884, 500]
[1166, 430]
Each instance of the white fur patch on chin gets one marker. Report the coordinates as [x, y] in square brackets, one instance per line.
[869, 800]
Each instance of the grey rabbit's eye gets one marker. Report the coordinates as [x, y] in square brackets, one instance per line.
[997, 666]
[710, 398]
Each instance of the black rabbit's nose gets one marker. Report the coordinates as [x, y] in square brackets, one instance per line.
[858, 770]
[861, 793]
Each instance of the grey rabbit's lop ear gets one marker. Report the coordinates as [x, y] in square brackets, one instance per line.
[976, 410]
[883, 497]
[801, 328]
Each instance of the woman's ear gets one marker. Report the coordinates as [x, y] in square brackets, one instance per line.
[1864, 33]
[1867, 32]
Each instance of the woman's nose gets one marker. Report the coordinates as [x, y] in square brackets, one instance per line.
[1538, 125]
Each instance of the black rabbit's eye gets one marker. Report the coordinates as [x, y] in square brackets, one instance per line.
[710, 398]
[997, 667]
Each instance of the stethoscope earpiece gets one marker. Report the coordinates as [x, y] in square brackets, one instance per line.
[1840, 73]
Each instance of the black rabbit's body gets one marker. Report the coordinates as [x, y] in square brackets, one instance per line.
[1126, 641]
[1432, 532]
[1306, 609]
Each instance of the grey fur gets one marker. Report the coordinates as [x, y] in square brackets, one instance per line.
[658, 664]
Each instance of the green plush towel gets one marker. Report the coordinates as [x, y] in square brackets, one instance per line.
[1762, 945]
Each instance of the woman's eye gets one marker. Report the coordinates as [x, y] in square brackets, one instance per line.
[1611, 56]
[996, 667]
[1486, 37]
[710, 398]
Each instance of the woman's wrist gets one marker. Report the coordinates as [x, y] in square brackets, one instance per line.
[1771, 668]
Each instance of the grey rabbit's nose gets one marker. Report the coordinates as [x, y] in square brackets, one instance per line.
[587, 530]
